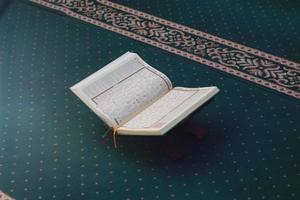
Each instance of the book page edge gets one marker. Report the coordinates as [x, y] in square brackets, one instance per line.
[100, 114]
[161, 131]
[212, 92]
[105, 69]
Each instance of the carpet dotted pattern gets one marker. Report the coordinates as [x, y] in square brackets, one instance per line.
[50, 142]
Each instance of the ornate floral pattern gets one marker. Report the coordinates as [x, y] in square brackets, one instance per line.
[247, 63]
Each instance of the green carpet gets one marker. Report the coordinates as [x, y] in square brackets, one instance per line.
[50, 142]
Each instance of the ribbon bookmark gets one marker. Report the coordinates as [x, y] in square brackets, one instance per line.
[106, 134]
[114, 137]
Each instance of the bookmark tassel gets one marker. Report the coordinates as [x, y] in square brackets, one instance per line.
[114, 137]
[106, 133]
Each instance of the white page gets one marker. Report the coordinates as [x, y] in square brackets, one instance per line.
[165, 111]
[122, 89]
[132, 95]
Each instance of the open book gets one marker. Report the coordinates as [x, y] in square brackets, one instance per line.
[135, 99]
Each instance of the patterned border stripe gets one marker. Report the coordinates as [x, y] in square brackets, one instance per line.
[247, 63]
[203, 34]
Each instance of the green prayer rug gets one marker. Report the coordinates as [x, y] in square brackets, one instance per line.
[51, 143]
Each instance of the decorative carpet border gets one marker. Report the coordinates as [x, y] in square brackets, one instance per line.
[202, 34]
[247, 63]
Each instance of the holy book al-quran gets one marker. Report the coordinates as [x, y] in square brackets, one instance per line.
[134, 98]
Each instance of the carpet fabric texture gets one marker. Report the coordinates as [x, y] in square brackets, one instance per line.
[50, 142]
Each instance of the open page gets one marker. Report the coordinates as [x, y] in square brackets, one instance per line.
[122, 89]
[166, 112]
